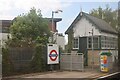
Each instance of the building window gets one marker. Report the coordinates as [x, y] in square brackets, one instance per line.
[109, 42]
[76, 43]
[95, 42]
[103, 41]
[89, 42]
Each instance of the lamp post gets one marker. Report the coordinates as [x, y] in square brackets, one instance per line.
[92, 49]
[57, 11]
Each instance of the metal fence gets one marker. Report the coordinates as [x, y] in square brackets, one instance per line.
[72, 61]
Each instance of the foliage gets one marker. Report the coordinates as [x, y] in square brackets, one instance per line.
[29, 30]
[61, 50]
[106, 53]
[26, 28]
[106, 14]
[7, 66]
[38, 62]
[70, 40]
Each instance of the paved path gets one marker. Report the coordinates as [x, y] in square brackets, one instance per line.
[63, 74]
[66, 74]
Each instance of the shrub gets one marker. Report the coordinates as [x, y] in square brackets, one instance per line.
[38, 62]
[7, 66]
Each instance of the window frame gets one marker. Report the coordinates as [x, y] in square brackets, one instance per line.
[109, 42]
[98, 43]
[75, 42]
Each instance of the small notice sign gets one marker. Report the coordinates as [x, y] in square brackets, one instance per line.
[104, 64]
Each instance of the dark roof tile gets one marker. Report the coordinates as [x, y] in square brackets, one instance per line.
[100, 24]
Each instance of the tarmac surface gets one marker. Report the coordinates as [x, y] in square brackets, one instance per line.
[88, 73]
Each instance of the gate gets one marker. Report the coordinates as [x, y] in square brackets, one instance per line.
[72, 61]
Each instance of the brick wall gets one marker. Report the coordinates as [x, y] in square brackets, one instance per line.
[93, 56]
[54, 26]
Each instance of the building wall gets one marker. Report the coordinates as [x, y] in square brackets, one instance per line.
[0, 33]
[83, 27]
[108, 34]
[3, 38]
[95, 56]
[4, 25]
[60, 40]
[0, 26]
[70, 41]
[54, 26]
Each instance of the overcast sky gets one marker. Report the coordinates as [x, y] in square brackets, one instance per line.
[71, 8]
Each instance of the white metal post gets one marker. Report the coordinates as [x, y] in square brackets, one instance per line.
[52, 19]
[51, 66]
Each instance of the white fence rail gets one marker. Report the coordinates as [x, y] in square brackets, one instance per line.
[72, 61]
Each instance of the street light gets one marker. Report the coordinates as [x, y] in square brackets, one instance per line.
[57, 11]
[92, 49]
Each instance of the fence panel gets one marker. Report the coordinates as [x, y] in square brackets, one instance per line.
[21, 57]
[71, 61]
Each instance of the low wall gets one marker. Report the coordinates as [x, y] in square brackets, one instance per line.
[94, 58]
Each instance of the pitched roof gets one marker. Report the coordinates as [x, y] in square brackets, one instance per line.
[99, 23]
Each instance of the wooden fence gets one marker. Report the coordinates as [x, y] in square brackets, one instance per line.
[21, 57]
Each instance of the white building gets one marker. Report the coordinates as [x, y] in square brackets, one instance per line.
[80, 37]
[4, 31]
[59, 40]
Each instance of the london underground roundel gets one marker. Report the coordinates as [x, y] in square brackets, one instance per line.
[53, 55]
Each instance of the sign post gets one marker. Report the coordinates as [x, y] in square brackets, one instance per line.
[52, 54]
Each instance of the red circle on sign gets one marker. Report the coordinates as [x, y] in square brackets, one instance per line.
[55, 55]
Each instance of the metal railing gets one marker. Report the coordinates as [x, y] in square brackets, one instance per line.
[72, 61]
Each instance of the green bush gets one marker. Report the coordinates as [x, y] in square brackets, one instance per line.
[38, 62]
[7, 66]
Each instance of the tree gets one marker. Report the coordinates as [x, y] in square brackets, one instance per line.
[31, 30]
[106, 14]
[97, 12]
[26, 28]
